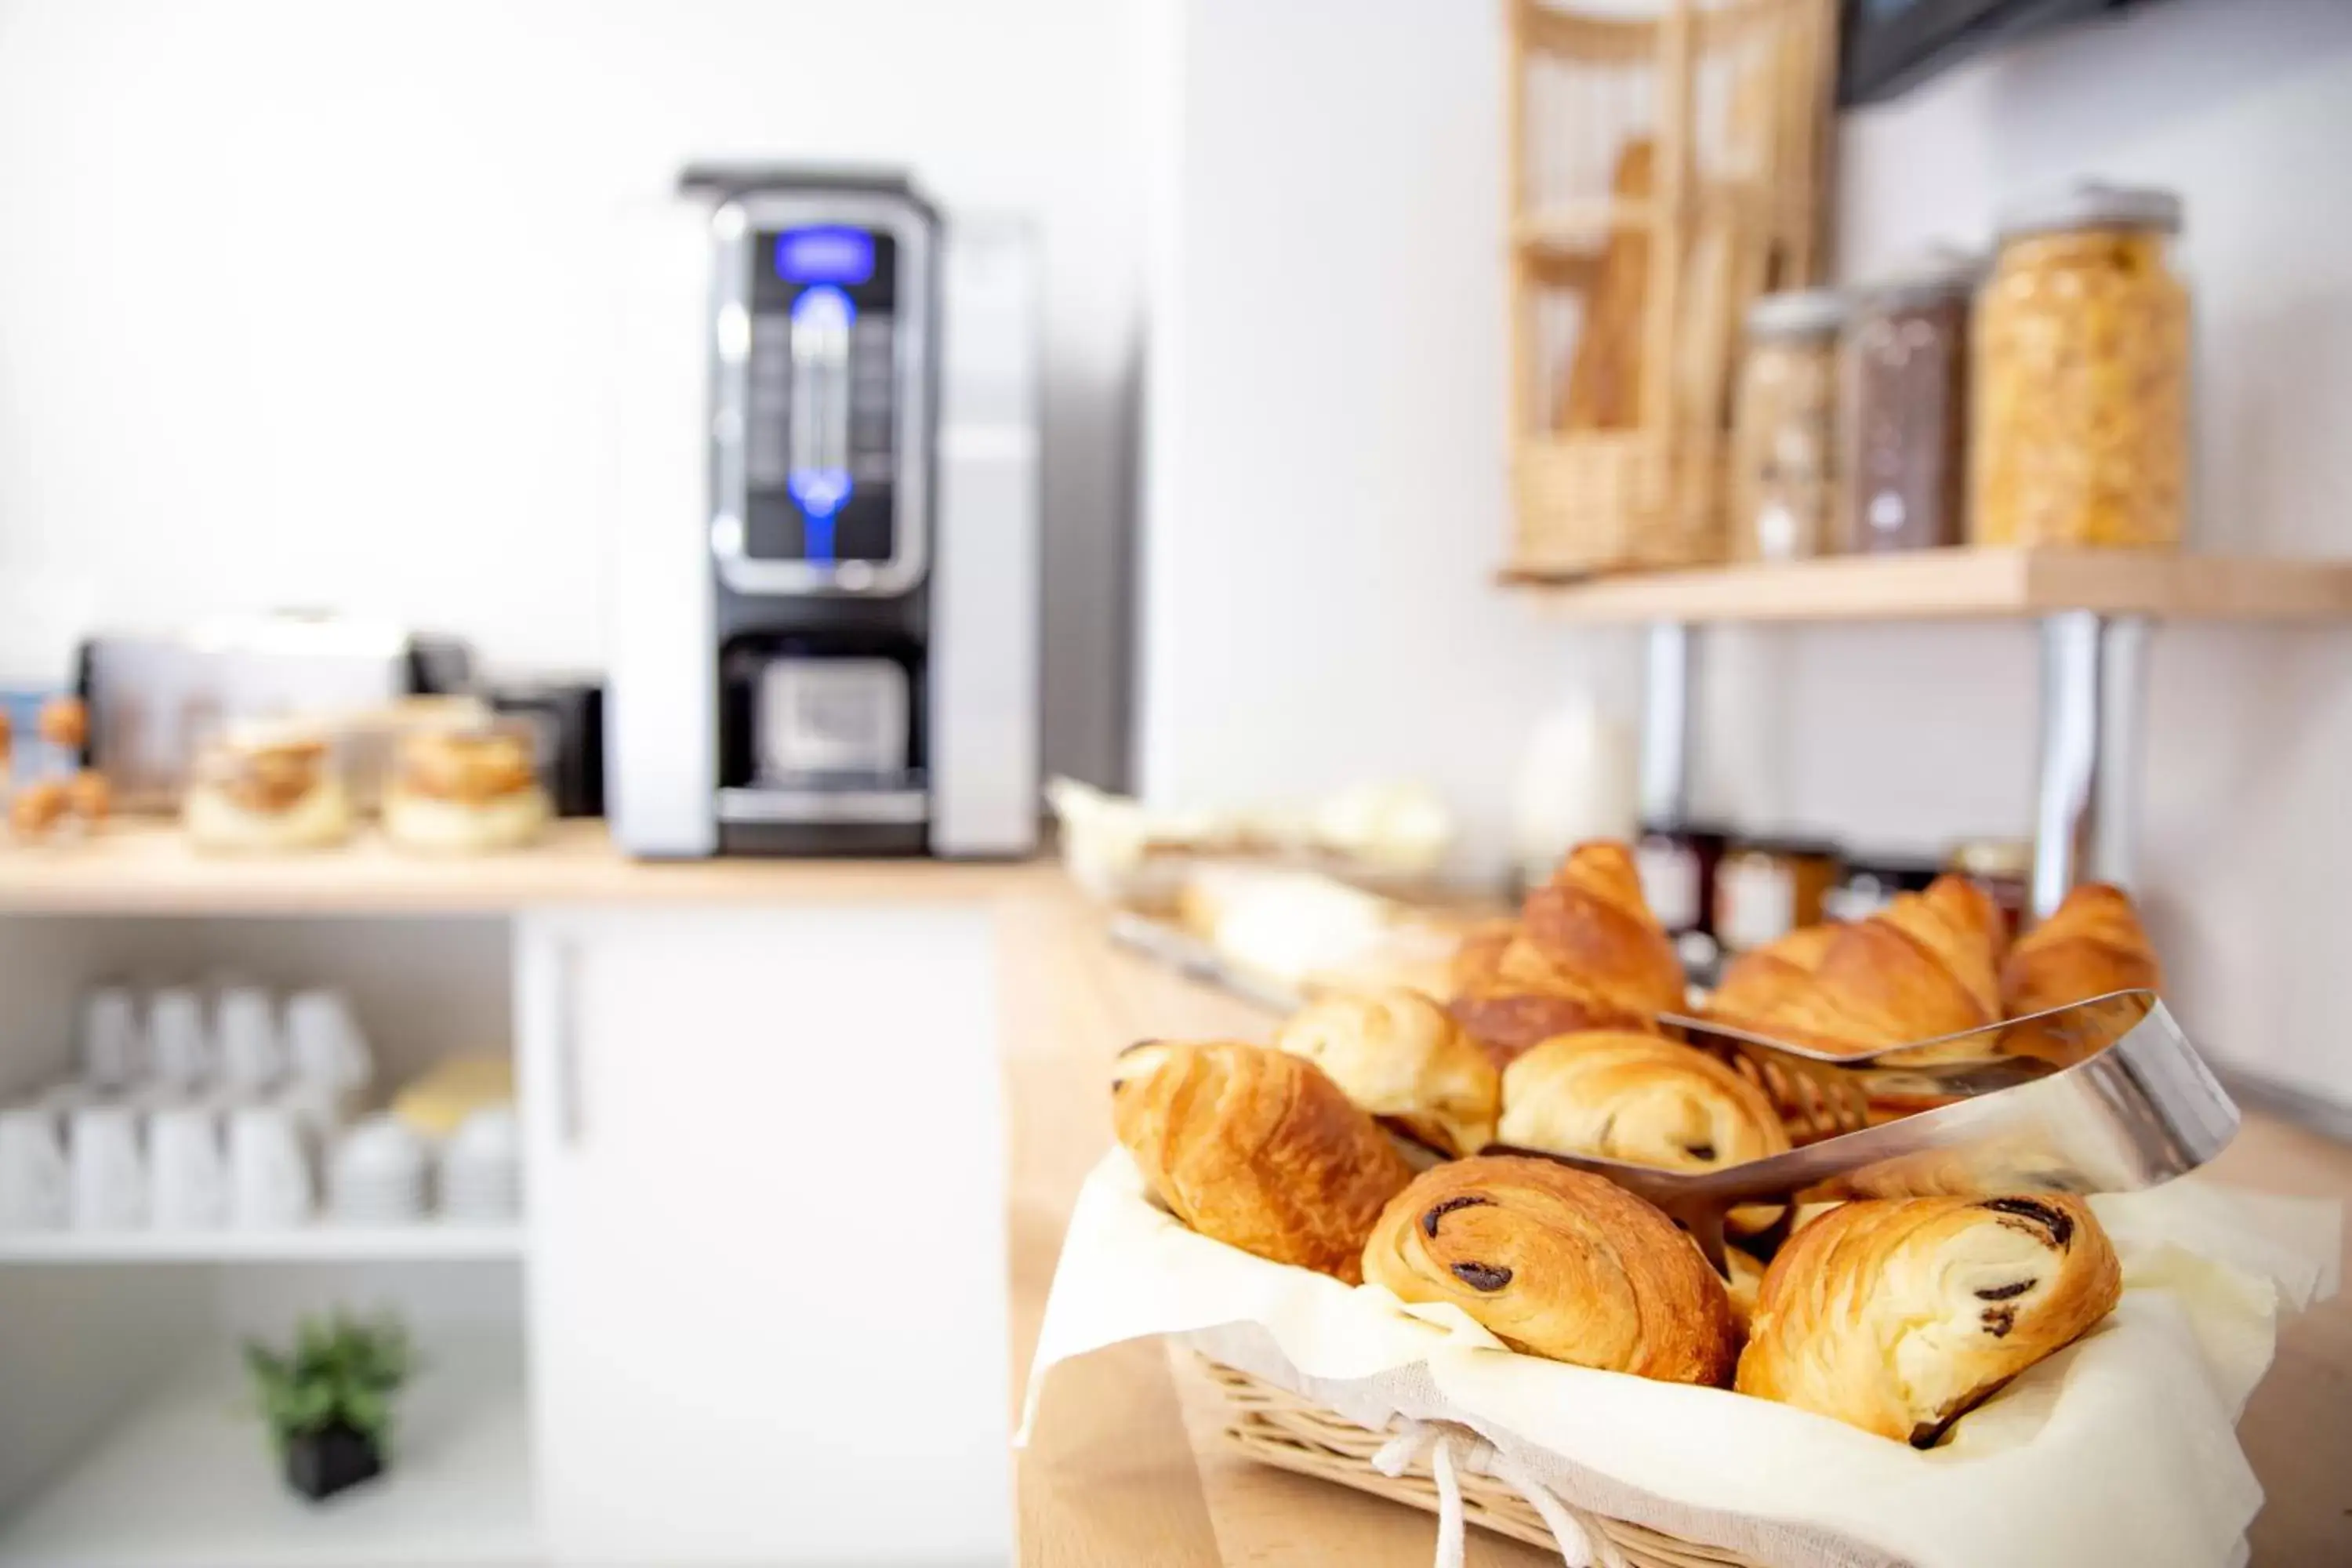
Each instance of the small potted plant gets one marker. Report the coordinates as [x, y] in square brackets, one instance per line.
[329, 1404]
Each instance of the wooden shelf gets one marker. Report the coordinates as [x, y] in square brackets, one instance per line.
[426, 1241]
[1961, 584]
[146, 867]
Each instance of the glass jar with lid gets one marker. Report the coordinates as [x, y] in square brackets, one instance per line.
[1766, 888]
[2081, 375]
[2003, 868]
[267, 784]
[467, 788]
[1784, 428]
[1903, 426]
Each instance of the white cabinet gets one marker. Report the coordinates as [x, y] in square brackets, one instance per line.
[766, 1295]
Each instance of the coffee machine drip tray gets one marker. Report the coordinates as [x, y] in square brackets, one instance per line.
[905, 801]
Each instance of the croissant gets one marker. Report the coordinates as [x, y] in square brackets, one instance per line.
[1638, 1097]
[1900, 1315]
[1399, 1055]
[1756, 980]
[1256, 1148]
[1480, 953]
[1587, 954]
[1969, 915]
[2092, 944]
[1922, 967]
[1559, 1264]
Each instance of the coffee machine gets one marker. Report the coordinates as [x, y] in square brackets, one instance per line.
[825, 544]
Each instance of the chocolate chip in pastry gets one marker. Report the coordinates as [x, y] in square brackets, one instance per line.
[1900, 1315]
[1402, 1056]
[1559, 1264]
[1258, 1149]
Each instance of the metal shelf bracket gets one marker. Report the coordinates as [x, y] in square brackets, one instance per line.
[2086, 797]
[2087, 802]
[1668, 675]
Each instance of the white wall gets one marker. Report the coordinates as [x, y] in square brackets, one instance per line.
[301, 303]
[2244, 107]
[1326, 464]
[1327, 488]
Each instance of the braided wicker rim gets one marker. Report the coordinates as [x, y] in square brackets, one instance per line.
[1275, 1426]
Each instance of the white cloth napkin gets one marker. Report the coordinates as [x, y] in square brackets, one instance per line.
[2120, 1449]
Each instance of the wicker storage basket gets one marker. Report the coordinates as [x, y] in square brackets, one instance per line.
[1664, 171]
[1275, 1426]
[1615, 500]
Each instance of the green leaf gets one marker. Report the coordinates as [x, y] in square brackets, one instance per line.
[367, 1410]
[341, 1368]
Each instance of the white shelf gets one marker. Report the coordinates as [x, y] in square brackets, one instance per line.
[187, 1480]
[322, 1243]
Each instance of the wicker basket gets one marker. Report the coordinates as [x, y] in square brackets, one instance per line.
[1612, 501]
[1664, 171]
[1275, 1426]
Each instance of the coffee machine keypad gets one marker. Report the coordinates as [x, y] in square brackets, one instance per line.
[768, 402]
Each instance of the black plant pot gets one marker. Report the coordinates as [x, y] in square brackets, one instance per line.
[322, 1463]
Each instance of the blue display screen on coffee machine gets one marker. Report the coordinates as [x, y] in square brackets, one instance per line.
[822, 396]
[825, 255]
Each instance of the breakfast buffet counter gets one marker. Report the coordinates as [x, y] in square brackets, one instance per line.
[1124, 1466]
[147, 867]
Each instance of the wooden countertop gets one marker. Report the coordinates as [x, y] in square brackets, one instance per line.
[146, 867]
[1124, 1467]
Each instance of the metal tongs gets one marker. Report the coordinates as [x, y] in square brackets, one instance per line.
[2101, 1096]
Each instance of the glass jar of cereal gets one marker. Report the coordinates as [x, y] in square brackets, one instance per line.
[2081, 375]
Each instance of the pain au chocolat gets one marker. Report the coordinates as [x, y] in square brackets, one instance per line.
[1645, 1099]
[1900, 1315]
[1557, 1264]
[1639, 1097]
